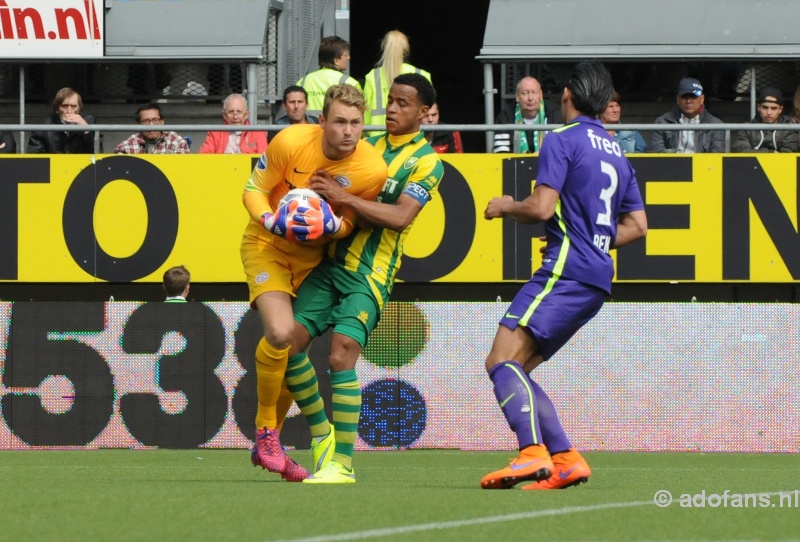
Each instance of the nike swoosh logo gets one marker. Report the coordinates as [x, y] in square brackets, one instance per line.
[563, 475]
[511, 316]
[323, 456]
[300, 172]
[523, 465]
[507, 399]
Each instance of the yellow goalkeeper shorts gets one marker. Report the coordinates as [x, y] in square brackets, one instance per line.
[274, 264]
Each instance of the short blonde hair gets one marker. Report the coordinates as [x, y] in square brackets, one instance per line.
[346, 94]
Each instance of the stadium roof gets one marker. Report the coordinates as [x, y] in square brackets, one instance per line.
[186, 29]
[535, 30]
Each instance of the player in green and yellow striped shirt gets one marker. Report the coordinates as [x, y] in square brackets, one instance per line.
[348, 290]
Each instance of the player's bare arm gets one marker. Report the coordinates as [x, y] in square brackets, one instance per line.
[631, 226]
[537, 207]
[395, 217]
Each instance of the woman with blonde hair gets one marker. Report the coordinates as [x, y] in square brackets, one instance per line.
[394, 53]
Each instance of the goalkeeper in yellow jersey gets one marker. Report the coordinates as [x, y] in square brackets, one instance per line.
[275, 266]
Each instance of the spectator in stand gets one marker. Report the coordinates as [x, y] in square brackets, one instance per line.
[690, 110]
[796, 106]
[442, 142]
[8, 145]
[769, 111]
[630, 141]
[529, 109]
[152, 141]
[295, 103]
[234, 112]
[334, 59]
[395, 50]
[67, 107]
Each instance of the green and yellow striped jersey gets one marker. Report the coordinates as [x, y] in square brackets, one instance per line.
[414, 168]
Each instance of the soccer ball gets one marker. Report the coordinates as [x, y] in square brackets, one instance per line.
[306, 201]
[301, 195]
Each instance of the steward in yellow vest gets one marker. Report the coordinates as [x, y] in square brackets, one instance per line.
[333, 58]
[378, 81]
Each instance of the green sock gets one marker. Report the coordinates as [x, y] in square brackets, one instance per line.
[346, 410]
[301, 379]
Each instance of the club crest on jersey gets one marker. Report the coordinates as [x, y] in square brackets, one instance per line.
[343, 181]
[262, 277]
[363, 316]
[410, 162]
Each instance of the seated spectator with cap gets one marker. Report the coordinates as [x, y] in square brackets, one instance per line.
[235, 112]
[769, 111]
[690, 110]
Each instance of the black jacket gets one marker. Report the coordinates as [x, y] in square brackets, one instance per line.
[9, 144]
[766, 140]
[61, 142]
[445, 142]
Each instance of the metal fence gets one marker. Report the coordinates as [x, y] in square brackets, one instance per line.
[652, 81]
[22, 131]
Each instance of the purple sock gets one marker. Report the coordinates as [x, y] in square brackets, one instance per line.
[514, 393]
[553, 434]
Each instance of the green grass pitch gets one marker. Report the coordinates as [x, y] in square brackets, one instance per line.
[403, 495]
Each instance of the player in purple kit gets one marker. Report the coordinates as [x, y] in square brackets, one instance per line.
[587, 195]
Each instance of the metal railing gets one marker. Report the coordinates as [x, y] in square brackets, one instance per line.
[98, 129]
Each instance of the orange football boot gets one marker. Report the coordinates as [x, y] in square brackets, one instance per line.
[571, 469]
[532, 463]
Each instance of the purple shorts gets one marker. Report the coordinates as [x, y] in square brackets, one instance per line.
[553, 309]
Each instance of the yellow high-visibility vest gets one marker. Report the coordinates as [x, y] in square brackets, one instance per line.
[376, 92]
[317, 84]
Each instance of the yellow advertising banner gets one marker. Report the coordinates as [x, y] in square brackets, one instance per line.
[75, 218]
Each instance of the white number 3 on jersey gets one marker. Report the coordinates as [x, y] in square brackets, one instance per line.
[604, 219]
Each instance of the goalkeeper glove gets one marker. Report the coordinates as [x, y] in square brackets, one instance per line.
[280, 222]
[315, 221]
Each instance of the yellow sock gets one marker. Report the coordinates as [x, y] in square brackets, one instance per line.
[285, 401]
[270, 370]
[346, 411]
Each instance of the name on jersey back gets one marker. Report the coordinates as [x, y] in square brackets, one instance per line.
[603, 144]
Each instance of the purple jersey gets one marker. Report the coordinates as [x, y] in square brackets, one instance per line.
[596, 184]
